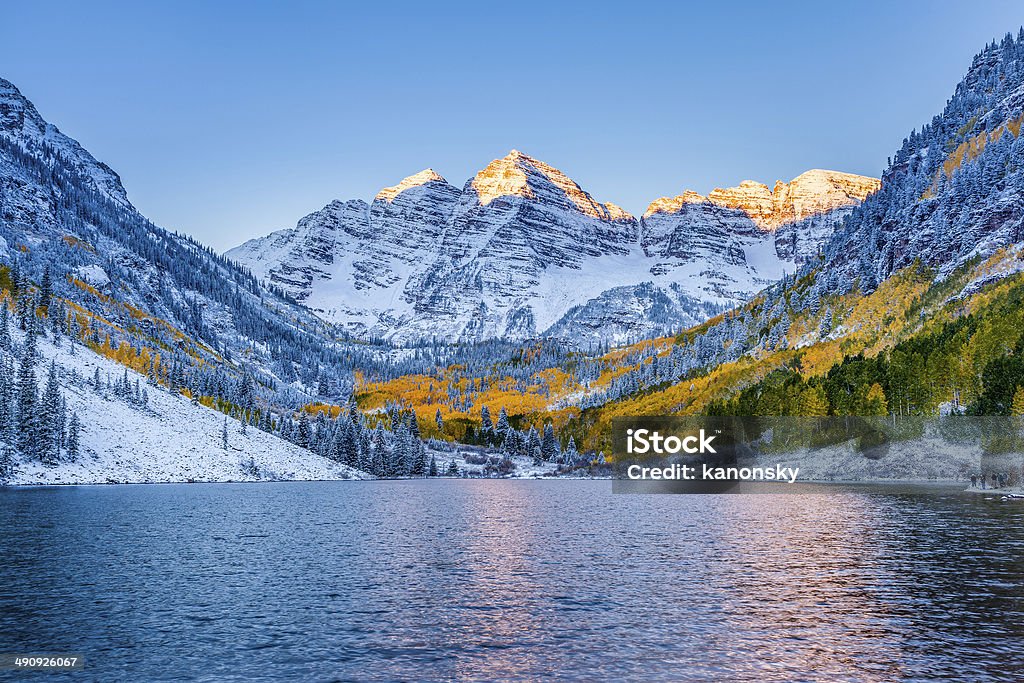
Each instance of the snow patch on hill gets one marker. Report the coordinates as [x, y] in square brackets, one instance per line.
[170, 440]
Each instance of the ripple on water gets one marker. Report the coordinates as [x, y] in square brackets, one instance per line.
[479, 580]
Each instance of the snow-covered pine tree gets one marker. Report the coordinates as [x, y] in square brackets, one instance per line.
[49, 418]
[549, 448]
[5, 327]
[381, 453]
[351, 433]
[420, 464]
[501, 427]
[7, 399]
[486, 426]
[570, 455]
[27, 400]
[74, 427]
[45, 289]
[304, 433]
[825, 328]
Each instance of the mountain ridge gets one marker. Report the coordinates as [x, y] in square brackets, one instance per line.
[496, 259]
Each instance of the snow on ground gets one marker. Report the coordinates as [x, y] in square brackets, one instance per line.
[525, 469]
[1009, 492]
[927, 459]
[171, 440]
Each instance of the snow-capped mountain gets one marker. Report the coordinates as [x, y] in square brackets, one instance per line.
[522, 250]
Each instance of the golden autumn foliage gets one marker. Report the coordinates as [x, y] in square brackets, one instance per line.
[1017, 407]
[970, 149]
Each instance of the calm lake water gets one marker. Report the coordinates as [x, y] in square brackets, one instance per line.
[512, 580]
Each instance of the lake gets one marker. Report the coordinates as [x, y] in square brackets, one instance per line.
[512, 580]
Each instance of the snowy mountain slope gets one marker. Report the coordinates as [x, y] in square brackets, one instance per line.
[65, 213]
[954, 190]
[169, 440]
[516, 219]
[21, 122]
[522, 251]
[372, 249]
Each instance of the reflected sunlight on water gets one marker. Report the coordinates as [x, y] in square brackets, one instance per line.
[513, 580]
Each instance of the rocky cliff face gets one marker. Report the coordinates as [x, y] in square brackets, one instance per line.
[715, 251]
[351, 260]
[522, 250]
[675, 226]
[809, 194]
[517, 222]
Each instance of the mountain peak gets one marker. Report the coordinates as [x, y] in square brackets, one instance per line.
[519, 175]
[18, 117]
[427, 175]
[810, 193]
[21, 122]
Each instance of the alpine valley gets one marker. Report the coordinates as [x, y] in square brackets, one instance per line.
[497, 329]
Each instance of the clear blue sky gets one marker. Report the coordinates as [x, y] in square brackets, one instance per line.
[228, 120]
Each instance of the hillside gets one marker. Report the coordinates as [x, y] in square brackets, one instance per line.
[165, 439]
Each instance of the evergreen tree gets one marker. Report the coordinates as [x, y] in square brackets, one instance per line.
[49, 419]
[72, 444]
[486, 426]
[419, 460]
[7, 399]
[501, 428]
[304, 433]
[533, 446]
[224, 434]
[439, 421]
[549, 444]
[570, 455]
[825, 328]
[27, 405]
[45, 290]
[413, 425]
[246, 391]
[6, 461]
[380, 452]
[5, 327]
[351, 434]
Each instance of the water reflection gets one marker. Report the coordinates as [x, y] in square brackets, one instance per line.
[484, 580]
